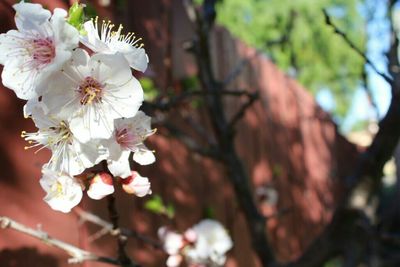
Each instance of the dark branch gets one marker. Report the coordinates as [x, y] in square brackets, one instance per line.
[370, 96]
[369, 167]
[123, 258]
[211, 151]
[239, 68]
[392, 55]
[242, 110]
[225, 141]
[108, 227]
[354, 47]
[166, 104]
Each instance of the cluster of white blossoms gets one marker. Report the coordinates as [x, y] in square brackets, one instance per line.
[83, 99]
[203, 245]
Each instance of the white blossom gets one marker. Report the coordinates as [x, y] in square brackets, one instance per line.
[136, 184]
[110, 42]
[174, 260]
[101, 185]
[39, 47]
[211, 244]
[204, 244]
[128, 136]
[93, 91]
[172, 245]
[63, 191]
[68, 154]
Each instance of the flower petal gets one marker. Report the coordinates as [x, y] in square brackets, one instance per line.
[144, 157]
[121, 167]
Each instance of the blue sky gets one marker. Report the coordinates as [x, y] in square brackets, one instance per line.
[378, 40]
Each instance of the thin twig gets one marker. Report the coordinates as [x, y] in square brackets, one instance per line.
[354, 47]
[210, 151]
[121, 239]
[243, 110]
[239, 68]
[123, 258]
[166, 104]
[78, 255]
[200, 130]
[108, 228]
[235, 169]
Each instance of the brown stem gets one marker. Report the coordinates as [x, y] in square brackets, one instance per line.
[121, 239]
[77, 255]
[123, 258]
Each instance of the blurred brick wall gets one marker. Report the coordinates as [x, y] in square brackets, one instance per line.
[286, 141]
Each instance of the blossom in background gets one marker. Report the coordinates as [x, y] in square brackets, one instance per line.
[111, 42]
[212, 243]
[101, 186]
[63, 191]
[128, 137]
[137, 185]
[172, 245]
[40, 46]
[204, 244]
[93, 91]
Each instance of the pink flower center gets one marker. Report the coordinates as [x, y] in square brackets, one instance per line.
[126, 139]
[43, 51]
[90, 90]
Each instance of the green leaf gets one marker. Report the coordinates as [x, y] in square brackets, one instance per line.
[155, 205]
[198, 2]
[76, 16]
[170, 211]
[209, 213]
[149, 89]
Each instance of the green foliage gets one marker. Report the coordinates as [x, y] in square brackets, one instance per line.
[198, 2]
[360, 125]
[294, 34]
[190, 84]
[209, 212]
[149, 89]
[76, 16]
[90, 11]
[336, 262]
[157, 206]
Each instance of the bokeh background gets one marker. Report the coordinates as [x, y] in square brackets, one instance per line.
[318, 108]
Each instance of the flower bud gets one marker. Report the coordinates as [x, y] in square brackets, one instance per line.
[174, 260]
[190, 236]
[136, 184]
[100, 186]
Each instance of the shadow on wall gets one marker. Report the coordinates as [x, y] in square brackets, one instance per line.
[26, 256]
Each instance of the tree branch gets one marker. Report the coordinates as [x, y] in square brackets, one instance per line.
[354, 47]
[108, 228]
[243, 110]
[392, 55]
[123, 258]
[369, 167]
[211, 151]
[225, 141]
[166, 104]
[78, 255]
